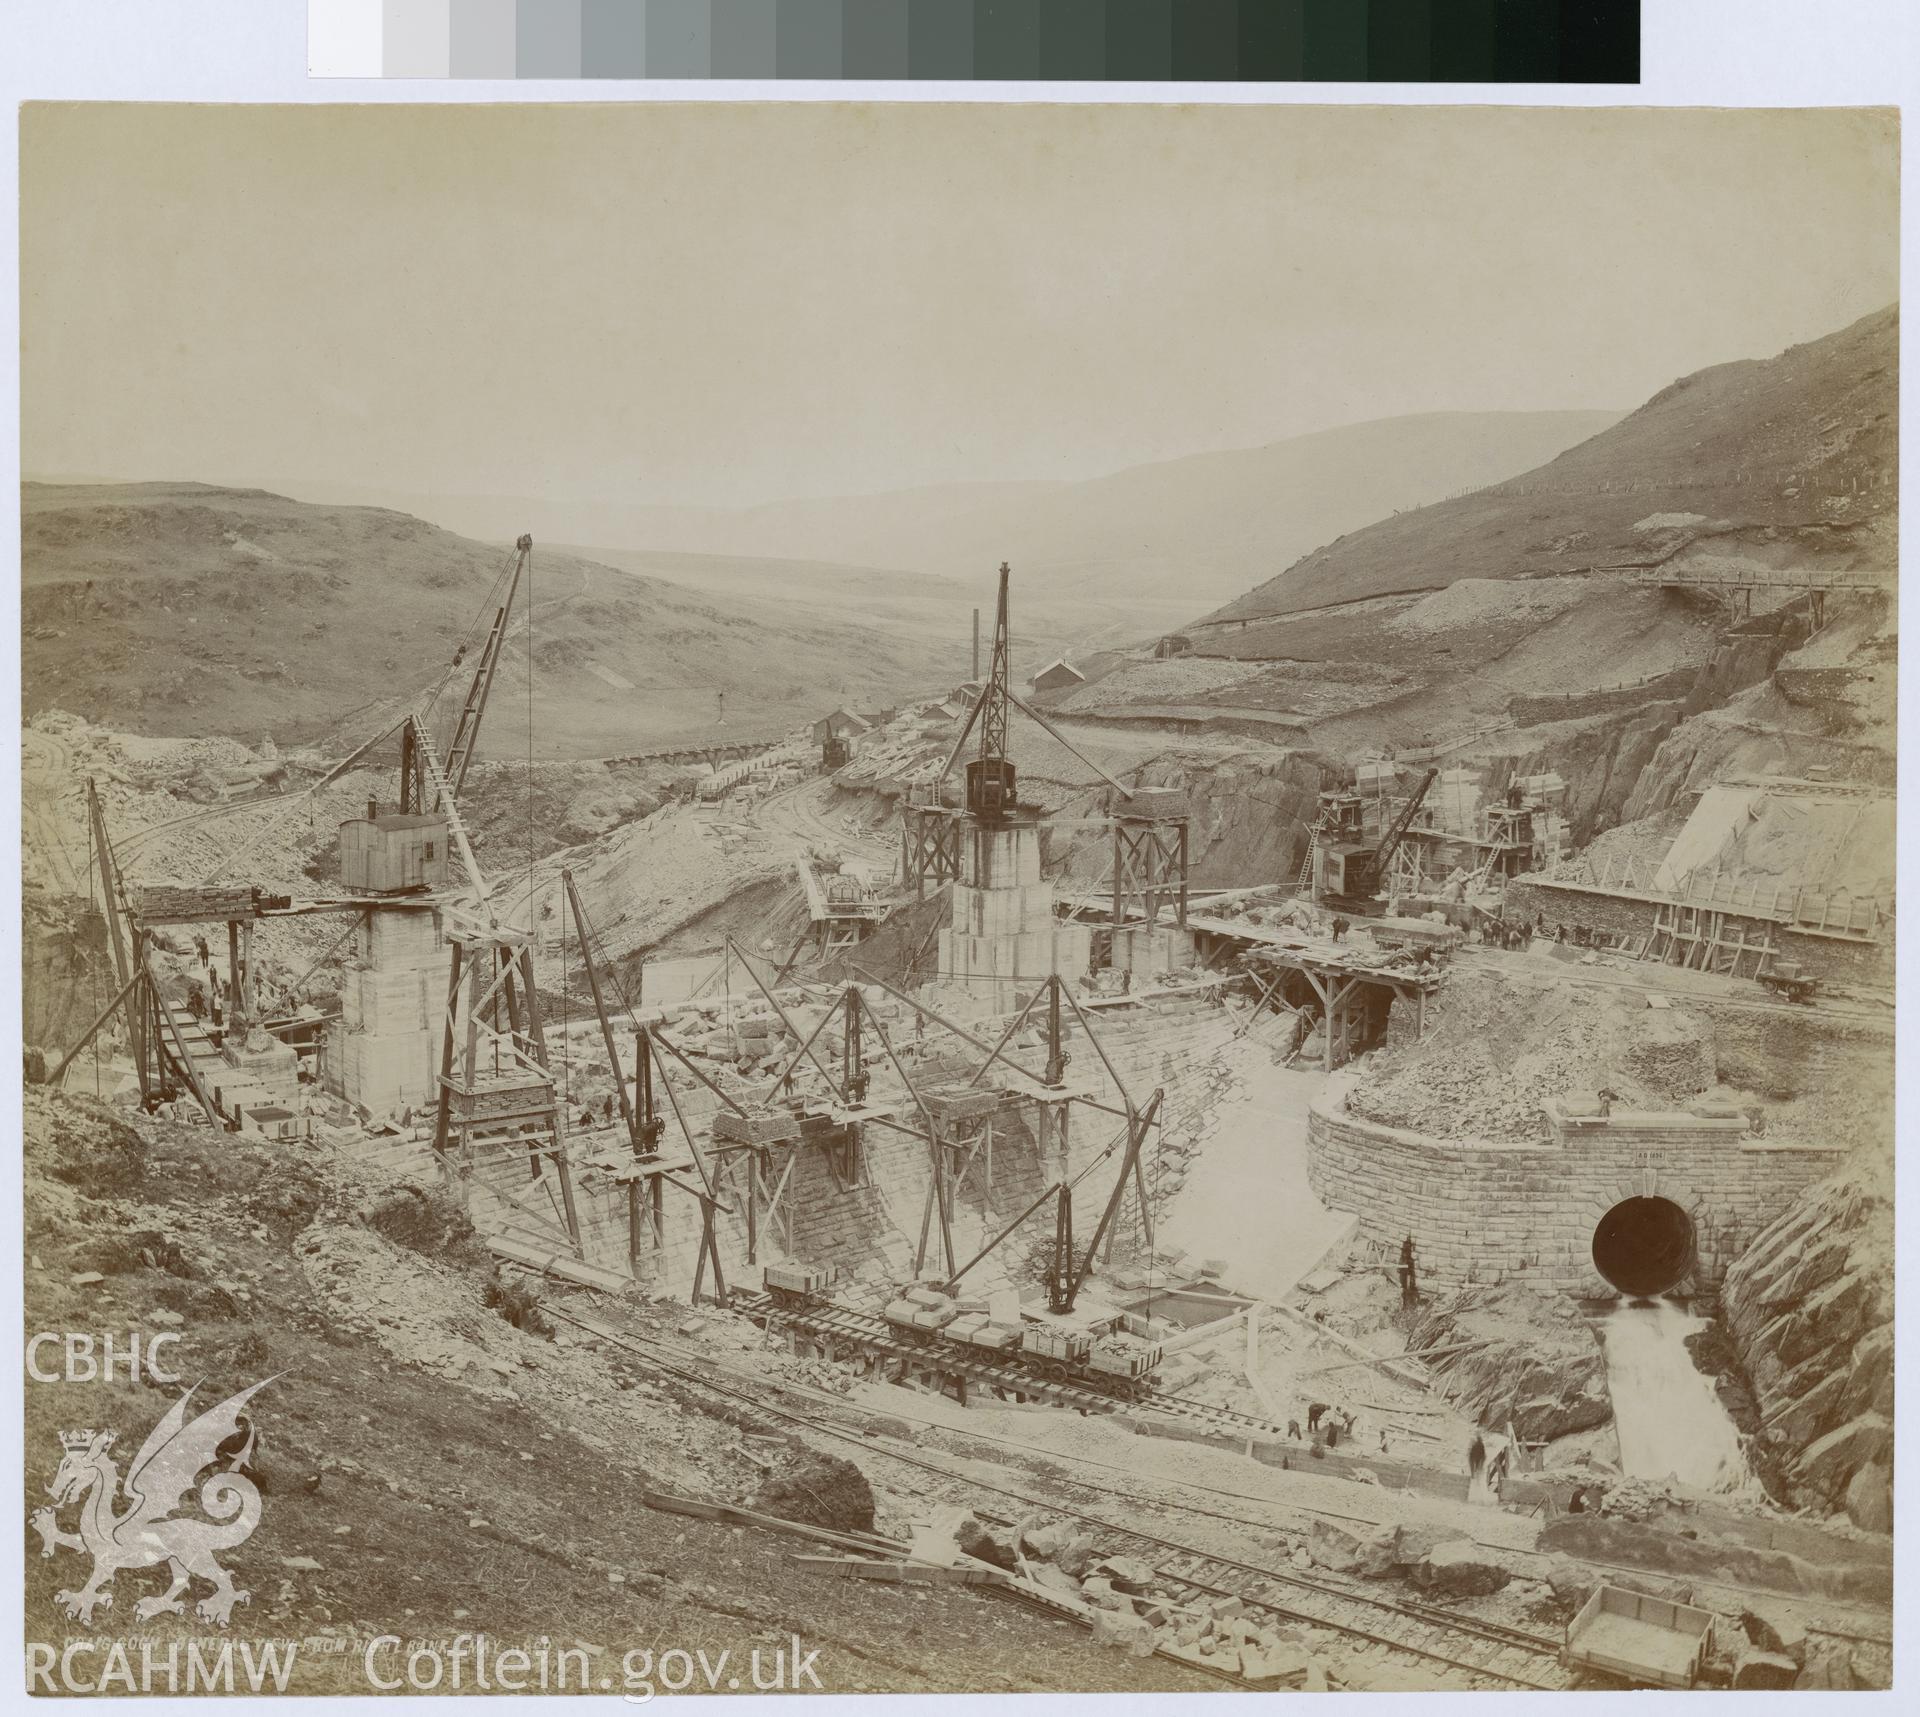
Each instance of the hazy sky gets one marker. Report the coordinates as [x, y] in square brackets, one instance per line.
[693, 302]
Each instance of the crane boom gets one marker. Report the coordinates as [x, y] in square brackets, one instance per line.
[466, 733]
[1402, 823]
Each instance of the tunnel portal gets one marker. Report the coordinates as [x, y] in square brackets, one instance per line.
[1644, 1246]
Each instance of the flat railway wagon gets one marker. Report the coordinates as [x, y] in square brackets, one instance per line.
[1104, 1354]
[796, 1285]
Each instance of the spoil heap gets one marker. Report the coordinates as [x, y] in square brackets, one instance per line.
[1497, 1049]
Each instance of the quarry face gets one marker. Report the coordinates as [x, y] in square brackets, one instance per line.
[1150, 1107]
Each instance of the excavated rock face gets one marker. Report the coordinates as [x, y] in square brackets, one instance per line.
[1809, 1305]
[1540, 1368]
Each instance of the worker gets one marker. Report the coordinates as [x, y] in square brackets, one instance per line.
[196, 1002]
[607, 1112]
[1383, 1439]
[1577, 1503]
[1607, 1096]
[200, 948]
[1316, 1411]
[1293, 1429]
[586, 1119]
[1409, 1287]
[1340, 928]
[460, 655]
[1497, 1468]
[1476, 1457]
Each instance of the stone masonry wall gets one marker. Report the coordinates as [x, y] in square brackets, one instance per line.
[1494, 1211]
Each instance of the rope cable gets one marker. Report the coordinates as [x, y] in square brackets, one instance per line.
[93, 965]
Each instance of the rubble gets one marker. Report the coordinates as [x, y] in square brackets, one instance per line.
[1501, 1047]
[818, 1490]
[1459, 1569]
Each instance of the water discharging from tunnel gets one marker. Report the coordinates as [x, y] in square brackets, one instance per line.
[1666, 1414]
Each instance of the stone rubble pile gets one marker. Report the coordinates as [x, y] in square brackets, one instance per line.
[1139, 1611]
[1500, 1049]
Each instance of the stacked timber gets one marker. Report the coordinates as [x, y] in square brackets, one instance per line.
[210, 903]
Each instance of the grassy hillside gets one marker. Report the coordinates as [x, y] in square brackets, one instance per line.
[182, 608]
[1790, 458]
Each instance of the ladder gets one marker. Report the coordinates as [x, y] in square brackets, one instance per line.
[1305, 879]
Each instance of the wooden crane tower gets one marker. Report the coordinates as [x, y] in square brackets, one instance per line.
[494, 1085]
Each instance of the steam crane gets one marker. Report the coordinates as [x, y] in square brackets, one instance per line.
[990, 776]
[1351, 872]
[931, 847]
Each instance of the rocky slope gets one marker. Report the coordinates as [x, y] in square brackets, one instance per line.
[1526, 1359]
[1809, 1305]
[436, 1455]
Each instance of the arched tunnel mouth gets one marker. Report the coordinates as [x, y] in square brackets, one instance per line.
[1644, 1246]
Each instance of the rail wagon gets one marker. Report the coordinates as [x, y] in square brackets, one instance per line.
[799, 1284]
[1126, 1362]
[1644, 1640]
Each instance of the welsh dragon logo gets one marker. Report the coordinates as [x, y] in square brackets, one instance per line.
[147, 1531]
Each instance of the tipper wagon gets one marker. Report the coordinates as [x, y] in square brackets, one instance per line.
[1647, 1641]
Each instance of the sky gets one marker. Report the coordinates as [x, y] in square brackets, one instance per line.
[706, 304]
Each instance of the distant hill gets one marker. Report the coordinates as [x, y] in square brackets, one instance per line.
[925, 606]
[1791, 459]
[184, 608]
[1200, 527]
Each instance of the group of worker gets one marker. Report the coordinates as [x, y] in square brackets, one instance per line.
[1329, 1426]
[1505, 935]
[208, 1002]
[588, 1121]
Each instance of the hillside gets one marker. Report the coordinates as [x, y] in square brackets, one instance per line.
[1790, 459]
[1166, 533]
[188, 609]
[428, 1419]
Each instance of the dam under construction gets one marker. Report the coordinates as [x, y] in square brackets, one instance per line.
[1445, 1161]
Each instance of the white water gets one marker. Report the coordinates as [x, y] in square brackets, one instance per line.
[1669, 1421]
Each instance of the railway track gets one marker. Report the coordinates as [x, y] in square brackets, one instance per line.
[1494, 1652]
[876, 1337]
[1503, 1654]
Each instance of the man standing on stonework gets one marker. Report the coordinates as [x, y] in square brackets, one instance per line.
[1409, 1288]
